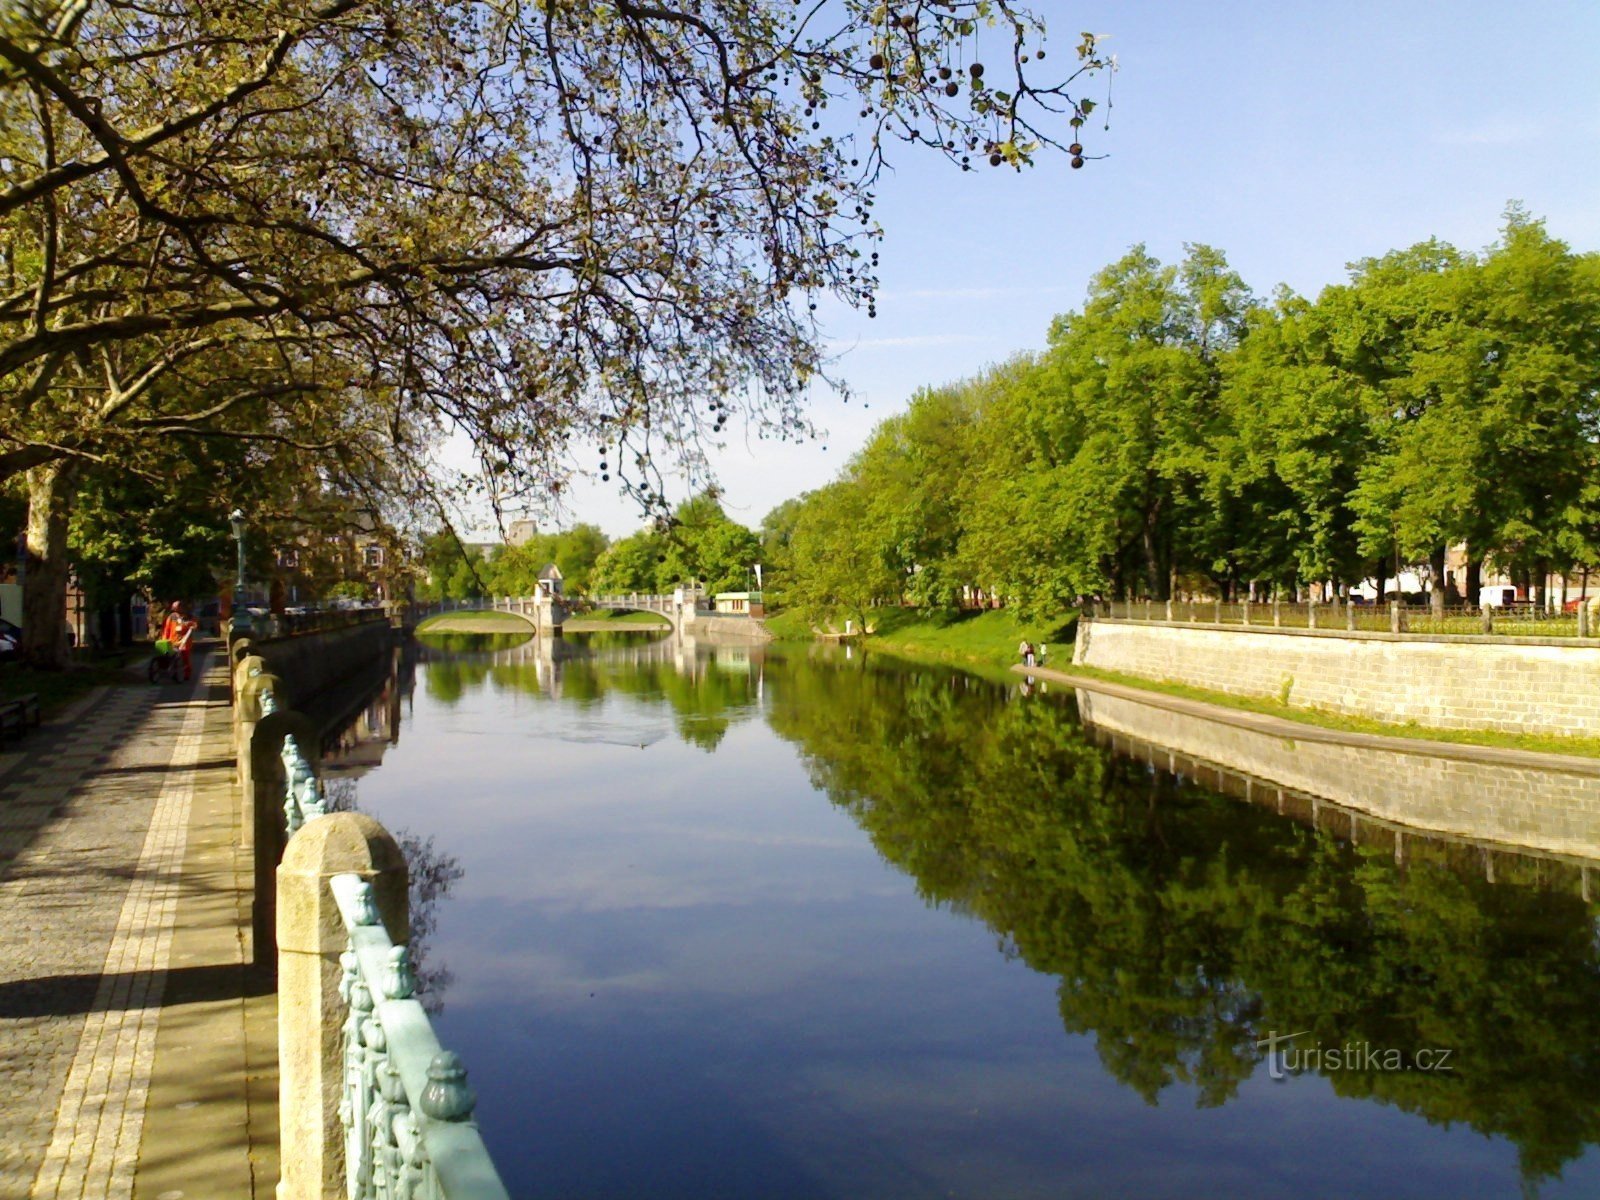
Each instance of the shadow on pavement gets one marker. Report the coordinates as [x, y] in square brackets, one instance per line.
[71, 995]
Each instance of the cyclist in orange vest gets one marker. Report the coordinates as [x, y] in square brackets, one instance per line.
[179, 630]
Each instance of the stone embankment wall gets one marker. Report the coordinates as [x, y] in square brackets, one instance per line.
[1515, 685]
[728, 629]
[311, 664]
[1550, 810]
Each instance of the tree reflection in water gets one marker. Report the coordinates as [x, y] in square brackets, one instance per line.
[1184, 925]
[430, 874]
[707, 688]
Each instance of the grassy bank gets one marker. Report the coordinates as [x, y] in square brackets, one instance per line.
[487, 621]
[1541, 743]
[988, 642]
[602, 619]
[982, 639]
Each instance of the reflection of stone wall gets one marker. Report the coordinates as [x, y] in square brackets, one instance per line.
[729, 629]
[1554, 811]
[1466, 683]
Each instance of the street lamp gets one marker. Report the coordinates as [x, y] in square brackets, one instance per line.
[236, 519]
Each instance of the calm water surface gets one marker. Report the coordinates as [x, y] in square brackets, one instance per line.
[797, 925]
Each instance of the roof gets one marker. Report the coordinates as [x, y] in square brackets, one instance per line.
[550, 571]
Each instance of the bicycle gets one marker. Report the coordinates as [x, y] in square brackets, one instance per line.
[165, 663]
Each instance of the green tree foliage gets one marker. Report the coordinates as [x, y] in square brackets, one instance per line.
[631, 564]
[698, 543]
[704, 544]
[450, 570]
[838, 567]
[541, 225]
[1183, 924]
[1177, 432]
[514, 570]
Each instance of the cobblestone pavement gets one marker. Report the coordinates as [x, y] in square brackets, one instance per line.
[93, 825]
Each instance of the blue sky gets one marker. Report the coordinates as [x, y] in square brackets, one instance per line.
[1296, 137]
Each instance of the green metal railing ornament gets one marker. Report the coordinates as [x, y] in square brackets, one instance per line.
[405, 1105]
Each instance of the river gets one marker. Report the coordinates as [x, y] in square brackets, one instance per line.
[712, 922]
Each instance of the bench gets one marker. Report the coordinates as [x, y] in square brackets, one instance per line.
[18, 714]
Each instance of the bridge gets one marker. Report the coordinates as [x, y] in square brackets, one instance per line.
[546, 613]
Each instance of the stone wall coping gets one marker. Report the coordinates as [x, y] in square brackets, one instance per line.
[1284, 727]
[1361, 635]
[263, 641]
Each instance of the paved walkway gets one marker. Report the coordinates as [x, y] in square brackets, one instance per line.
[137, 1050]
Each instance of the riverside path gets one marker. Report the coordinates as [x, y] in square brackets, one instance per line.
[137, 1051]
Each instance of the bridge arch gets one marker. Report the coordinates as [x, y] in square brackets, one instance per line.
[669, 608]
[539, 617]
[546, 614]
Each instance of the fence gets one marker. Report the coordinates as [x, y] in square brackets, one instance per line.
[370, 1106]
[1393, 617]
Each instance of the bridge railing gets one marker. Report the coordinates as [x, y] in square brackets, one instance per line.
[647, 602]
[359, 1044]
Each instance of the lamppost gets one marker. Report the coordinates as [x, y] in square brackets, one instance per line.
[236, 519]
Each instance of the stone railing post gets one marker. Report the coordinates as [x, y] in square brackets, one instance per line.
[1246, 608]
[1169, 609]
[1394, 616]
[265, 824]
[1311, 614]
[1277, 612]
[1219, 612]
[311, 1014]
[1583, 619]
[1486, 618]
[1349, 614]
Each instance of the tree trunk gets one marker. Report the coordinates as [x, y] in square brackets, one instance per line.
[1152, 560]
[44, 590]
[1436, 560]
[1474, 578]
[1541, 586]
[1379, 577]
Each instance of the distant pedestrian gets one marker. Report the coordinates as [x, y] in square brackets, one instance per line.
[1025, 650]
[1039, 655]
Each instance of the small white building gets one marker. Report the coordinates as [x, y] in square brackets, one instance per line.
[740, 604]
[550, 580]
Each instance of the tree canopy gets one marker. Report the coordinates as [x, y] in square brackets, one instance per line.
[1178, 433]
[347, 224]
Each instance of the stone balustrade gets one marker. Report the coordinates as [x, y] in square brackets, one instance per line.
[370, 1106]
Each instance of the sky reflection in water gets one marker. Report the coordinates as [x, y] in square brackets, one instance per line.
[798, 928]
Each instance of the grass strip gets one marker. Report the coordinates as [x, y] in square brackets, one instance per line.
[483, 621]
[57, 689]
[1585, 747]
[986, 639]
